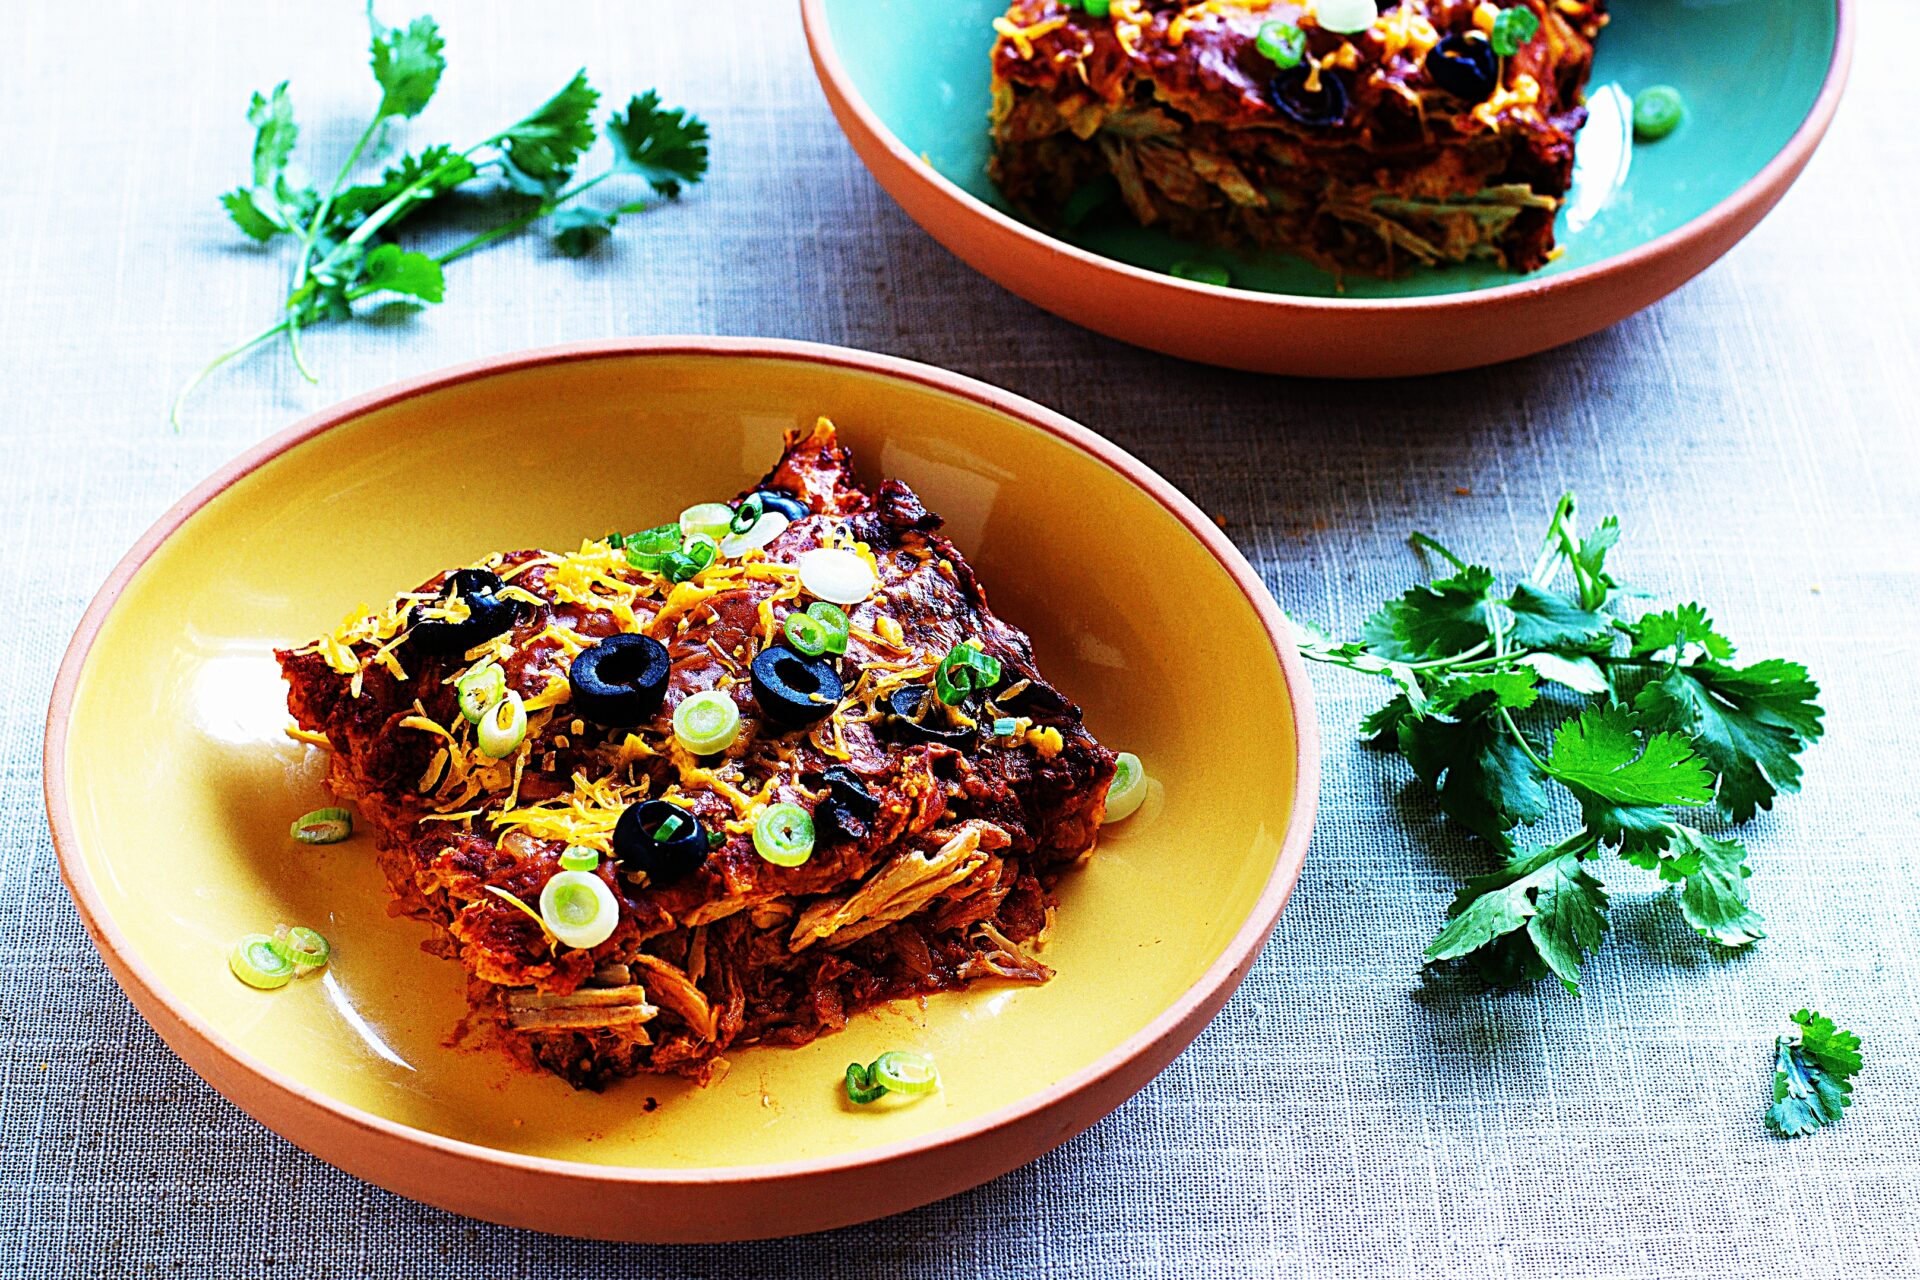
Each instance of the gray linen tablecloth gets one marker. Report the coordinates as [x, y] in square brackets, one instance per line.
[1756, 432]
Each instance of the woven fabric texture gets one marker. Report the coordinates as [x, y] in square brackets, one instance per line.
[1757, 432]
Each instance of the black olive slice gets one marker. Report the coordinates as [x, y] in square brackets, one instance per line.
[783, 502]
[641, 845]
[1322, 108]
[487, 614]
[1465, 66]
[793, 690]
[905, 703]
[620, 681]
[849, 806]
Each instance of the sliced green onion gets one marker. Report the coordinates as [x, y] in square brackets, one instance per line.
[322, 826]
[1128, 788]
[1348, 17]
[1201, 272]
[764, 530]
[1282, 44]
[1657, 112]
[964, 670]
[257, 961]
[910, 1073]
[1099, 8]
[707, 722]
[579, 909]
[615, 540]
[715, 519]
[504, 728]
[783, 834]
[805, 634]
[692, 560]
[833, 620]
[578, 858]
[304, 948]
[837, 575]
[1088, 199]
[669, 827]
[1005, 727]
[862, 1088]
[1513, 28]
[648, 550]
[480, 690]
[746, 515]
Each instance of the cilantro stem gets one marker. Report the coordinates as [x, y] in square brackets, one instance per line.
[1420, 540]
[180, 400]
[521, 222]
[304, 262]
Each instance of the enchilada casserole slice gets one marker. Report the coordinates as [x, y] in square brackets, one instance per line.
[1402, 134]
[782, 757]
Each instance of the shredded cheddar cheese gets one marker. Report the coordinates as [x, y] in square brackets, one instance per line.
[1023, 37]
[1520, 98]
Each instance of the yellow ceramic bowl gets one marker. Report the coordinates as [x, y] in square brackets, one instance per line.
[170, 784]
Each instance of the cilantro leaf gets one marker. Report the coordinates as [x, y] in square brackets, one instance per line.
[1544, 619]
[1750, 723]
[274, 134]
[1438, 620]
[271, 205]
[666, 147]
[407, 63]
[541, 150]
[1580, 674]
[1623, 783]
[1546, 896]
[397, 270]
[262, 224]
[1482, 777]
[1508, 687]
[442, 168]
[1591, 556]
[1713, 897]
[578, 231]
[1602, 752]
[1814, 1065]
[1678, 629]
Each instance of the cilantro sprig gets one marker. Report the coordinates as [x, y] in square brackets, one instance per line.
[1506, 691]
[1814, 1065]
[346, 237]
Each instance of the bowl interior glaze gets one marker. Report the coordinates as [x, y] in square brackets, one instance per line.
[179, 781]
[1750, 71]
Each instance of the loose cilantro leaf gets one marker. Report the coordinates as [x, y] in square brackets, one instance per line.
[407, 64]
[1648, 719]
[1549, 894]
[1545, 619]
[1750, 723]
[666, 147]
[541, 150]
[1444, 618]
[1814, 1065]
[349, 238]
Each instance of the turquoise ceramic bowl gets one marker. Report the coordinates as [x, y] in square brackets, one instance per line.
[909, 80]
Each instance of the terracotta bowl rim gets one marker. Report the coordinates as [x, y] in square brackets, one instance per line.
[1752, 196]
[1218, 982]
